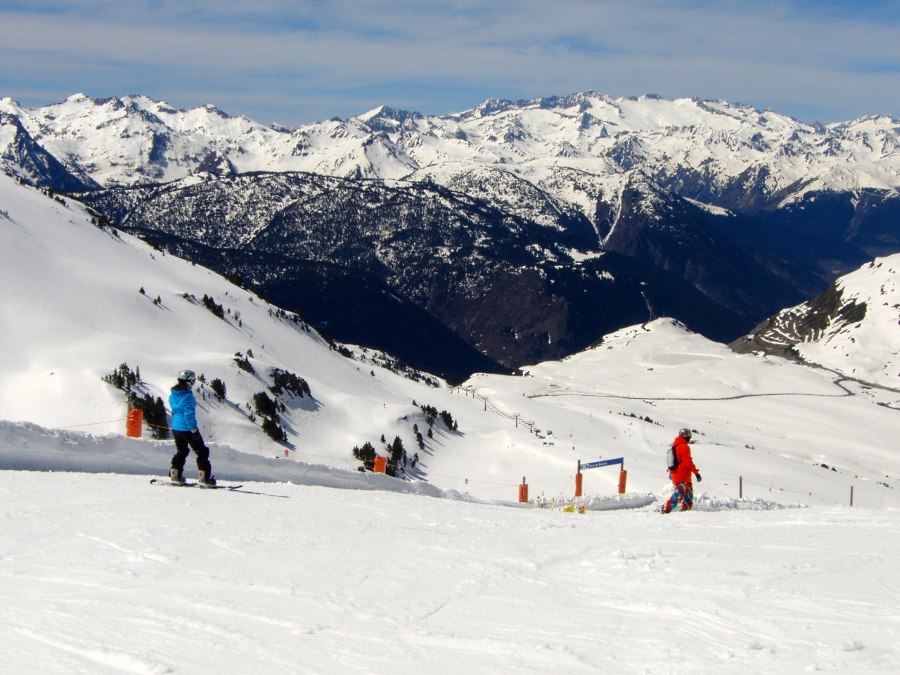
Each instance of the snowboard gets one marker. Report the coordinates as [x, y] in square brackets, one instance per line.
[188, 484]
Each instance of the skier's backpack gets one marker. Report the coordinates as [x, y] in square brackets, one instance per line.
[672, 458]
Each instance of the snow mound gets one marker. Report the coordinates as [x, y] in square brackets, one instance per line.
[711, 503]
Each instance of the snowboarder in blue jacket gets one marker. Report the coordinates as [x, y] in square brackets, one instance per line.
[184, 429]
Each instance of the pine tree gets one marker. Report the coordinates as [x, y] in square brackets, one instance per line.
[274, 430]
[264, 405]
[366, 454]
[218, 388]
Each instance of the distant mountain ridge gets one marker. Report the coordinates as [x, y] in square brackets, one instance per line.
[525, 230]
[704, 150]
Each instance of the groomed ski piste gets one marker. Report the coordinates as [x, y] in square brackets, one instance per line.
[317, 567]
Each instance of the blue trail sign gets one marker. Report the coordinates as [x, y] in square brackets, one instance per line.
[602, 462]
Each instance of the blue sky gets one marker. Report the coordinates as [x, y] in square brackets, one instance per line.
[299, 61]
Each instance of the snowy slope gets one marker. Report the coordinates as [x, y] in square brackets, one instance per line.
[852, 328]
[868, 349]
[73, 312]
[102, 572]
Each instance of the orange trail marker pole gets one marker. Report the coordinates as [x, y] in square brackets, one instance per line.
[578, 479]
[134, 424]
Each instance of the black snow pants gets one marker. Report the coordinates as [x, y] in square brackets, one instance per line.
[185, 441]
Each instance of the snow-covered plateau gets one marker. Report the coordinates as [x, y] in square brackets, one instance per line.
[787, 563]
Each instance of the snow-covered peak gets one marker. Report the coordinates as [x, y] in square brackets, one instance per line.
[10, 106]
[853, 327]
[374, 112]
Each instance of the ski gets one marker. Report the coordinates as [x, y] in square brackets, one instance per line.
[202, 486]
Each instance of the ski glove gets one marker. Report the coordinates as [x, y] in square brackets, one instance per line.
[699, 478]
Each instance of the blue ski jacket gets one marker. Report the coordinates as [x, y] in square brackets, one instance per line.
[183, 405]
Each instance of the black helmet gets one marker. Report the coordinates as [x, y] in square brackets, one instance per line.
[187, 376]
[685, 433]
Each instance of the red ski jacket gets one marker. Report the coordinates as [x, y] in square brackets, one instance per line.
[685, 470]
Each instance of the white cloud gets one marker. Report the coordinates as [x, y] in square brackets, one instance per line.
[274, 59]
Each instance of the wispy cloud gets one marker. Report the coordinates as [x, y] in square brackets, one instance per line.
[298, 60]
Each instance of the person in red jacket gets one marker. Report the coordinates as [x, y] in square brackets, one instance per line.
[682, 474]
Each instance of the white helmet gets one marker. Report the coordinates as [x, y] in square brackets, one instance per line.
[187, 376]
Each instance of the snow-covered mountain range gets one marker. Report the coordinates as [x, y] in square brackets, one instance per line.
[507, 234]
[572, 147]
